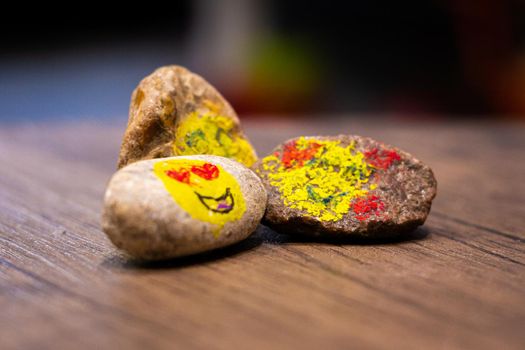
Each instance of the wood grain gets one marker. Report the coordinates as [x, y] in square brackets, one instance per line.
[456, 283]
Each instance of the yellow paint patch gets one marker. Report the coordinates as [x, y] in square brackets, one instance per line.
[319, 177]
[212, 133]
[206, 191]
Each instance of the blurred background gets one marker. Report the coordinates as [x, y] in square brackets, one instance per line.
[410, 59]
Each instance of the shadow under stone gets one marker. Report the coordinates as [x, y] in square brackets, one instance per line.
[270, 236]
[122, 261]
[262, 235]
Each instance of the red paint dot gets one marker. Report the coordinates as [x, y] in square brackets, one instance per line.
[381, 159]
[365, 207]
[181, 175]
[206, 171]
[292, 156]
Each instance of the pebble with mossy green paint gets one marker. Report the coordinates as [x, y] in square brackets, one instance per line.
[345, 186]
[175, 112]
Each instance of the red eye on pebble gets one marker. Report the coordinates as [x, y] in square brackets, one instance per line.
[181, 175]
[206, 171]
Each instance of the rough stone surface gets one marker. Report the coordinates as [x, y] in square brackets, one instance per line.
[176, 112]
[169, 207]
[345, 186]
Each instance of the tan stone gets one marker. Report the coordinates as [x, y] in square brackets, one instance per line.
[176, 112]
[142, 217]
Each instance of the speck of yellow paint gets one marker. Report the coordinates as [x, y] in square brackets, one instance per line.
[323, 183]
[211, 133]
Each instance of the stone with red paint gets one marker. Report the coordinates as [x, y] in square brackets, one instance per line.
[395, 196]
[150, 220]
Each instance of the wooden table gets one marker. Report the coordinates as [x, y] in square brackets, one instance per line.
[456, 283]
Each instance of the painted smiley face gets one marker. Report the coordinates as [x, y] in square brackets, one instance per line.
[205, 190]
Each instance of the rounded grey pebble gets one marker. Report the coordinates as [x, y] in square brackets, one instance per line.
[142, 218]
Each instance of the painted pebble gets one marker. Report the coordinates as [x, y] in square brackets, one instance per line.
[176, 112]
[169, 207]
[345, 185]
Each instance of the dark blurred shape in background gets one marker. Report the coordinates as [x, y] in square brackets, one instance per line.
[413, 58]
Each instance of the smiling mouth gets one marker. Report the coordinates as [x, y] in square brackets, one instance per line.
[222, 204]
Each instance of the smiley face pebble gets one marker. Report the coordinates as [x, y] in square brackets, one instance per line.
[169, 207]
